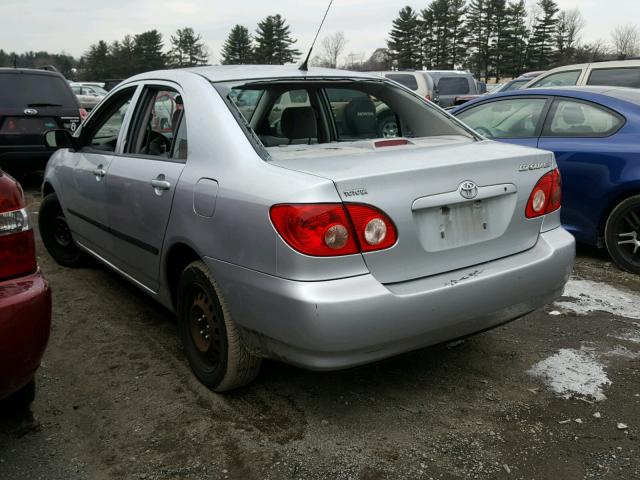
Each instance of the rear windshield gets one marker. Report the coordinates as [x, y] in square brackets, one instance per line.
[21, 90]
[312, 112]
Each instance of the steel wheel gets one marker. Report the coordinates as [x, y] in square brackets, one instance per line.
[56, 234]
[622, 234]
[205, 329]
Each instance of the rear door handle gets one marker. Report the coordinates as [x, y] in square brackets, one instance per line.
[99, 172]
[159, 184]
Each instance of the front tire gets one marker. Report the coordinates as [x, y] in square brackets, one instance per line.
[56, 235]
[21, 399]
[622, 234]
[210, 337]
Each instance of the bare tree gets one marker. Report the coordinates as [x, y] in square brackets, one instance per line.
[332, 48]
[626, 40]
[568, 29]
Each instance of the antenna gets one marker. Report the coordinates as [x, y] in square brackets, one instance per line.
[304, 67]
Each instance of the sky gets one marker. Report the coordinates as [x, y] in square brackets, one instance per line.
[71, 26]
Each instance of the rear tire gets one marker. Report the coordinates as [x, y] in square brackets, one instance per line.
[56, 235]
[210, 337]
[622, 234]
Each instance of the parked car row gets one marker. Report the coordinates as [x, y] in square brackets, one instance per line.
[329, 218]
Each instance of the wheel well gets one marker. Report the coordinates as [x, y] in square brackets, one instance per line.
[180, 255]
[610, 206]
[47, 189]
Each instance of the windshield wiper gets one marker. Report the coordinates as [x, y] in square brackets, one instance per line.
[44, 104]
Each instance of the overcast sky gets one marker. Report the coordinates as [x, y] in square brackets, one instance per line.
[71, 26]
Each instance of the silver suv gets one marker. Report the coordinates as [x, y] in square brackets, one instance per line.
[268, 213]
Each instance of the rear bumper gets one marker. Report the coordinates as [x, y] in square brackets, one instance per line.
[347, 322]
[28, 156]
[25, 323]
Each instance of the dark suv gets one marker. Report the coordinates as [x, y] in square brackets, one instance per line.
[32, 102]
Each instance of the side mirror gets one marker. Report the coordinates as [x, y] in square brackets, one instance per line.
[54, 139]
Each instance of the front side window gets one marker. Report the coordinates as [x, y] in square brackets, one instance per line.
[513, 118]
[570, 118]
[102, 131]
[560, 79]
[615, 77]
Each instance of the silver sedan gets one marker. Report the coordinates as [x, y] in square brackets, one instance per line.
[269, 209]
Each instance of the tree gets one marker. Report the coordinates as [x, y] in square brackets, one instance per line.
[332, 48]
[515, 39]
[570, 24]
[148, 51]
[123, 58]
[592, 52]
[238, 47]
[96, 61]
[274, 44]
[541, 44]
[626, 41]
[188, 49]
[443, 34]
[479, 28]
[404, 39]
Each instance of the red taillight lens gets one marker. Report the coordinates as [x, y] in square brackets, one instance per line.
[321, 230]
[428, 97]
[546, 195]
[375, 229]
[327, 229]
[17, 245]
[83, 114]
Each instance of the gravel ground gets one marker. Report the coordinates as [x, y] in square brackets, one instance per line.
[544, 397]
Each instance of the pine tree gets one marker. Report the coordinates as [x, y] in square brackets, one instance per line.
[97, 61]
[515, 42]
[497, 10]
[443, 34]
[404, 39]
[123, 58]
[541, 45]
[148, 51]
[238, 47]
[479, 28]
[188, 49]
[274, 44]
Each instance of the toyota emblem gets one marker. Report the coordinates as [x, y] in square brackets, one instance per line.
[468, 189]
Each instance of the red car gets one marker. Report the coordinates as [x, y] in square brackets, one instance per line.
[25, 299]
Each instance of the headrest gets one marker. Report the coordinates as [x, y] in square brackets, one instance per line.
[360, 115]
[299, 122]
[573, 115]
[178, 100]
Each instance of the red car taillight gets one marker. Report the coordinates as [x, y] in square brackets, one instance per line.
[327, 229]
[17, 244]
[83, 114]
[546, 195]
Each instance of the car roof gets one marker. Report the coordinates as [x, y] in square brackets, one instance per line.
[593, 93]
[227, 73]
[34, 71]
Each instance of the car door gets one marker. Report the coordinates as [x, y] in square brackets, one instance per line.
[142, 180]
[580, 134]
[84, 182]
[516, 119]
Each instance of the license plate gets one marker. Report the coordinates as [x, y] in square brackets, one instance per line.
[21, 125]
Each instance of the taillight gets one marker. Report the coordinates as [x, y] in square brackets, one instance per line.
[83, 114]
[428, 97]
[375, 229]
[327, 229]
[17, 244]
[546, 195]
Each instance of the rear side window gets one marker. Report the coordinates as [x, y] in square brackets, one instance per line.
[615, 77]
[515, 85]
[408, 81]
[453, 86]
[560, 79]
[246, 101]
[570, 118]
[21, 90]
[513, 118]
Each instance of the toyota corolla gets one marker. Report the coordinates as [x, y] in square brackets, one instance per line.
[271, 217]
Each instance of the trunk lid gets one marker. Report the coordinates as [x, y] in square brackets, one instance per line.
[421, 186]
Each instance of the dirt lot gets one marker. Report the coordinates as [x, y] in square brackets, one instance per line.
[116, 398]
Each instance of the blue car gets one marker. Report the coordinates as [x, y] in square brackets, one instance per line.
[594, 133]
